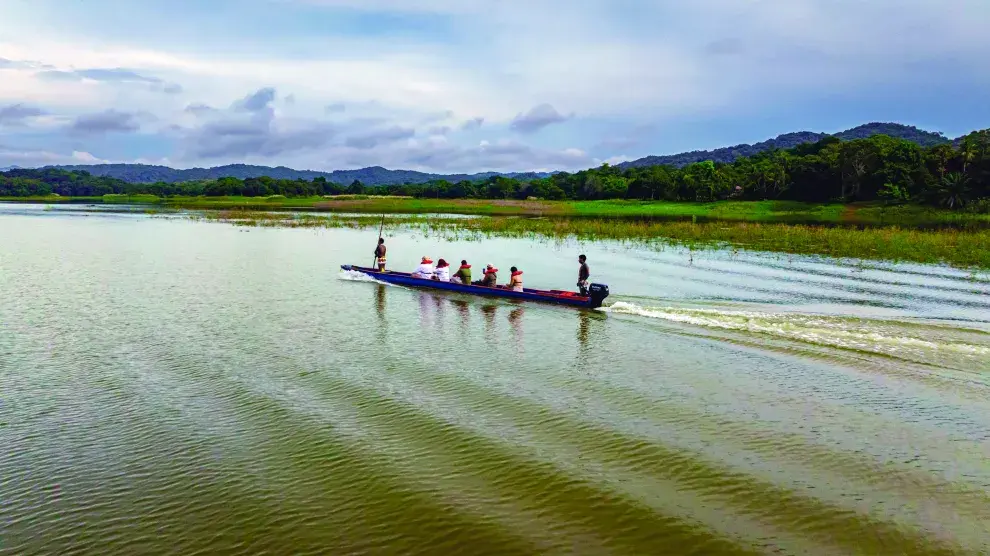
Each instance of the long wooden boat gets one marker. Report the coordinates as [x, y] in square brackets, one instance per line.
[598, 292]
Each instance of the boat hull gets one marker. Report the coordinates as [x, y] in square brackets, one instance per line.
[558, 297]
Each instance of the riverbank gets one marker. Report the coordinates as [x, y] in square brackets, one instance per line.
[862, 214]
[869, 232]
[959, 248]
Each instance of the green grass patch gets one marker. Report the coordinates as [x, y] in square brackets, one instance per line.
[865, 231]
[870, 214]
[864, 214]
[124, 198]
[959, 248]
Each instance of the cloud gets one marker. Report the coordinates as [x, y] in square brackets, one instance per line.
[56, 75]
[15, 114]
[373, 138]
[537, 118]
[250, 128]
[6, 63]
[115, 74]
[31, 158]
[109, 75]
[708, 73]
[257, 101]
[108, 121]
[618, 159]
[198, 108]
[219, 141]
[629, 137]
[442, 156]
[473, 123]
[440, 116]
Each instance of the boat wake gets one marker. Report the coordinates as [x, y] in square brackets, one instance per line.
[945, 346]
[355, 276]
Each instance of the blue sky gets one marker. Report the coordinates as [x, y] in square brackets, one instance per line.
[471, 85]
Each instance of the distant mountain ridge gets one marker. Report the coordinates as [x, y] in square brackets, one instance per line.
[376, 175]
[373, 175]
[791, 140]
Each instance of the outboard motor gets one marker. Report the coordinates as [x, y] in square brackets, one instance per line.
[598, 293]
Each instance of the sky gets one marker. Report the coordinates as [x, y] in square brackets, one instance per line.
[471, 85]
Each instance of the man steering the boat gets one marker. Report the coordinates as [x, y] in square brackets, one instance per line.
[380, 254]
[584, 273]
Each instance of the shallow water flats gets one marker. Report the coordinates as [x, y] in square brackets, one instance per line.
[186, 386]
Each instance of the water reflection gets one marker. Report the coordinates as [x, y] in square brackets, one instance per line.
[464, 310]
[488, 311]
[431, 309]
[426, 316]
[380, 311]
[582, 334]
[380, 302]
[589, 323]
[515, 324]
[438, 309]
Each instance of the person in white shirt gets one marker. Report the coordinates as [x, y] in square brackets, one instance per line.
[442, 272]
[425, 269]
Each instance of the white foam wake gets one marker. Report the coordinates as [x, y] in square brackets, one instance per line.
[877, 336]
[357, 276]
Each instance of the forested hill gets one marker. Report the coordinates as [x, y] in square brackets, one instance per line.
[791, 140]
[375, 175]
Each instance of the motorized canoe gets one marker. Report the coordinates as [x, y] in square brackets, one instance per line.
[598, 292]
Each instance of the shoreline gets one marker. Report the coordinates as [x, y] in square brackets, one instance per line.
[960, 240]
[960, 249]
[874, 214]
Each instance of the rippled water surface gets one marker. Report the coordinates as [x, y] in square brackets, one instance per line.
[169, 386]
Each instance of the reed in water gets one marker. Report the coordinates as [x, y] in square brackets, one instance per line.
[959, 248]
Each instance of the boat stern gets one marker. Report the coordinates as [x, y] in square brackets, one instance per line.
[598, 293]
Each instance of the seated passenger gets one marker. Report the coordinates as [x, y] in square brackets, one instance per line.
[463, 274]
[442, 271]
[515, 282]
[425, 269]
[491, 277]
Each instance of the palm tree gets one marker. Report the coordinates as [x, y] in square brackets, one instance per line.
[954, 190]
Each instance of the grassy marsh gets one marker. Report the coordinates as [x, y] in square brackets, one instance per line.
[867, 231]
[959, 248]
[864, 214]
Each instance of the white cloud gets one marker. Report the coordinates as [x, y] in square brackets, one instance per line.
[436, 154]
[537, 118]
[12, 156]
[622, 61]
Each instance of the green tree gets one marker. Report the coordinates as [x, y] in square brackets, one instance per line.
[954, 191]
[356, 188]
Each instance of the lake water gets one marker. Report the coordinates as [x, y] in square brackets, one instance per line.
[170, 386]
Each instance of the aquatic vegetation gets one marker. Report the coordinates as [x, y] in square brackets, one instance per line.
[960, 248]
[129, 199]
[864, 214]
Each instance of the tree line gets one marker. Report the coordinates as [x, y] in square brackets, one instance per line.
[875, 168]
